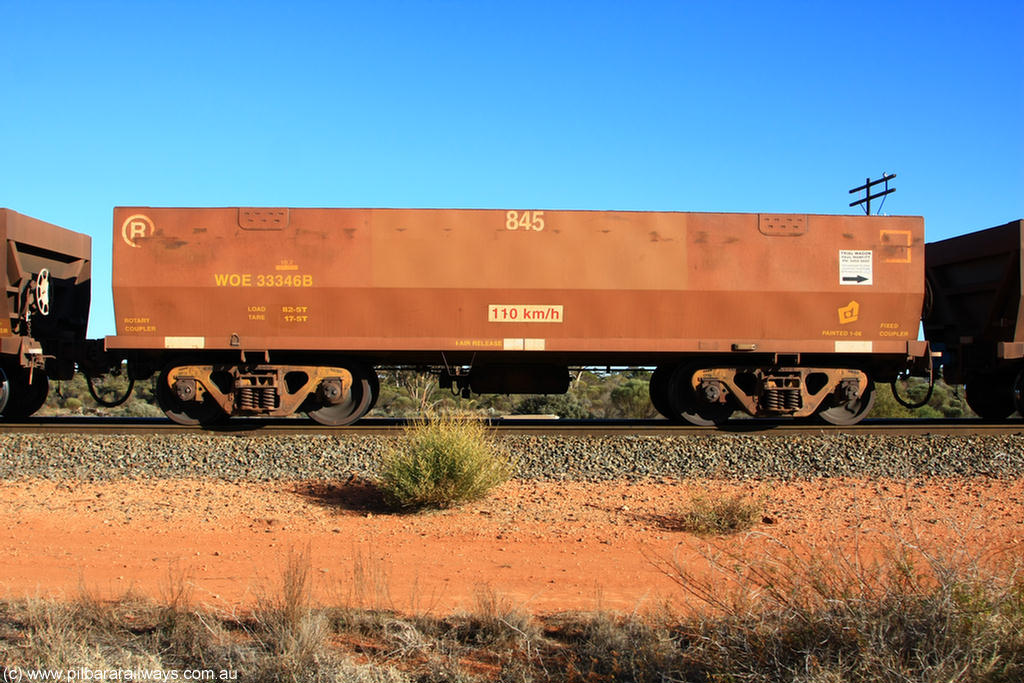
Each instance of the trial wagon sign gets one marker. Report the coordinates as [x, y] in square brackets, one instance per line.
[855, 267]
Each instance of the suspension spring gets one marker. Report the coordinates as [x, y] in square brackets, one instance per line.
[257, 398]
[793, 399]
[247, 398]
[268, 398]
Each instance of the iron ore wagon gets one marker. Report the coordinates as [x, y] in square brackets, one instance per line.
[270, 311]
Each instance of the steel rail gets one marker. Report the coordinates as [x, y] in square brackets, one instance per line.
[546, 427]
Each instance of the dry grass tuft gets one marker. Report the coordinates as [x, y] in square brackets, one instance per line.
[496, 620]
[837, 612]
[287, 626]
[707, 516]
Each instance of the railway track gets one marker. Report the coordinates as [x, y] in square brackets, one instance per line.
[539, 426]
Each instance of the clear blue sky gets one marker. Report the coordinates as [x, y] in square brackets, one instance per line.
[676, 106]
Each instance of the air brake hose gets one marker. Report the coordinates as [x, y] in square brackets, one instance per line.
[920, 404]
[105, 403]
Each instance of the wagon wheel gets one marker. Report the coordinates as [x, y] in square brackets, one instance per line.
[658, 390]
[851, 412]
[360, 399]
[1018, 392]
[191, 413]
[686, 405]
[24, 397]
[990, 396]
[374, 389]
[5, 390]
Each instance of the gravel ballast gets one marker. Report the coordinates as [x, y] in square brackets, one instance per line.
[581, 458]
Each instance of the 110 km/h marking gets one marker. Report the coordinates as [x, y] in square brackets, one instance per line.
[524, 313]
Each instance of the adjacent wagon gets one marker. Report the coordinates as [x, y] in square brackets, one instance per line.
[974, 316]
[46, 270]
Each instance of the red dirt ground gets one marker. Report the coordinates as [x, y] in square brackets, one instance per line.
[546, 546]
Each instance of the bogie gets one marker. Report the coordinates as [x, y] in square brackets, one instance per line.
[709, 395]
[205, 394]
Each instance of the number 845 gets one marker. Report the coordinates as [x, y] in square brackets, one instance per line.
[524, 220]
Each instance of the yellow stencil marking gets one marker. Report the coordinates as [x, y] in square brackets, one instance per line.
[479, 343]
[849, 313]
[896, 244]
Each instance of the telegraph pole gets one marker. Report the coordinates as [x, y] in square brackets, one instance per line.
[866, 189]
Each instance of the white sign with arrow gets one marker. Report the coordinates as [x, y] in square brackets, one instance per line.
[855, 267]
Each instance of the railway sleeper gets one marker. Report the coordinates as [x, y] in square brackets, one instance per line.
[268, 390]
[779, 391]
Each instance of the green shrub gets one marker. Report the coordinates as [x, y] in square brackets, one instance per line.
[946, 401]
[565, 406]
[441, 463]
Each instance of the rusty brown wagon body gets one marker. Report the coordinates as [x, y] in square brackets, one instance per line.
[268, 311]
[975, 315]
[45, 311]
